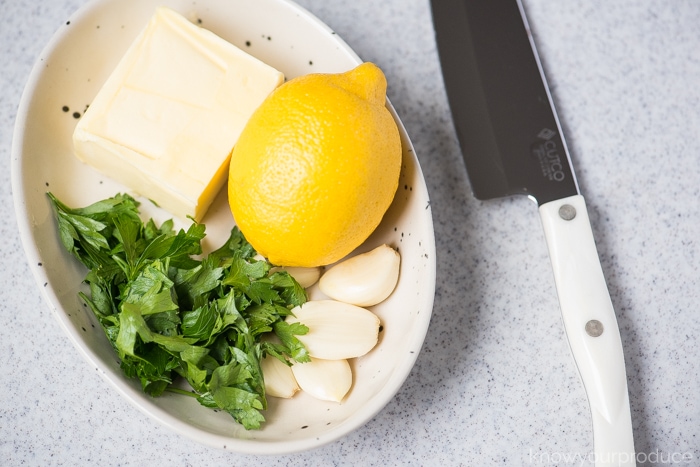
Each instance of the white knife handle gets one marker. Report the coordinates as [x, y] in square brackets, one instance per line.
[591, 327]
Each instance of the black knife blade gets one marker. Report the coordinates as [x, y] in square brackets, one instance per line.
[491, 85]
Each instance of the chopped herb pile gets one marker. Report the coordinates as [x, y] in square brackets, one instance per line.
[169, 314]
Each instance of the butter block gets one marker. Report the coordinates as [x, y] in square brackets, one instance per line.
[165, 121]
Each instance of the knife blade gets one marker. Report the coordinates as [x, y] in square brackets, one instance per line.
[512, 143]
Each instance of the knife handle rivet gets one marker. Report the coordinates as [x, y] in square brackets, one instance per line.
[567, 212]
[594, 328]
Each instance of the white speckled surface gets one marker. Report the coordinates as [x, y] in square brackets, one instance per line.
[494, 383]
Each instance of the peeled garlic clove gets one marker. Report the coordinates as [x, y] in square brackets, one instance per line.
[328, 380]
[337, 330]
[279, 379]
[365, 279]
[306, 277]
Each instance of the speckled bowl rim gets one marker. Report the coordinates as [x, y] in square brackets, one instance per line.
[407, 225]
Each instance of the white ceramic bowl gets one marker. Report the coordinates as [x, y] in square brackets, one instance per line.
[68, 74]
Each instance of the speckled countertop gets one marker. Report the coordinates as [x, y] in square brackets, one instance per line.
[494, 383]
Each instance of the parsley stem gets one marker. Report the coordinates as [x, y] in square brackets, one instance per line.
[182, 391]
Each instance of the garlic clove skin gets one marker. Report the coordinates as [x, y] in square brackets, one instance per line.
[306, 277]
[328, 380]
[363, 280]
[337, 330]
[279, 378]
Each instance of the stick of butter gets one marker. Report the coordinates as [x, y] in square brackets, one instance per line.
[168, 116]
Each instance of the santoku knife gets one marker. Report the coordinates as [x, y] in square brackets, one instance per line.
[512, 143]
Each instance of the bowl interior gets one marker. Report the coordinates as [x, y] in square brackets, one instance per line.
[65, 79]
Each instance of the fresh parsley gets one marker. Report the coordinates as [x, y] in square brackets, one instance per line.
[169, 314]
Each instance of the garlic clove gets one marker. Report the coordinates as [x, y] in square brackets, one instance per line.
[279, 379]
[328, 380]
[337, 330]
[306, 277]
[365, 279]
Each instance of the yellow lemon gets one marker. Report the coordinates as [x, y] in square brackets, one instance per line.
[316, 167]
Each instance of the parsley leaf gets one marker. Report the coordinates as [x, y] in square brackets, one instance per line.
[169, 314]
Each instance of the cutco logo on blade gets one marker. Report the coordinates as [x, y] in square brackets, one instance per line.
[547, 153]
